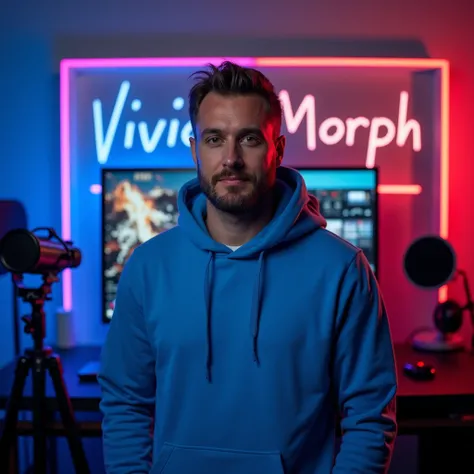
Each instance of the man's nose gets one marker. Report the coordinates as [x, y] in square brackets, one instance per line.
[233, 154]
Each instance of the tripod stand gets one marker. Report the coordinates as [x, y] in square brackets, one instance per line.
[40, 360]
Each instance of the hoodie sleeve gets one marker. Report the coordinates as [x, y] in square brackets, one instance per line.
[127, 380]
[364, 375]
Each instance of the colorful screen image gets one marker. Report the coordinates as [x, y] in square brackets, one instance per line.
[139, 204]
[348, 200]
[136, 206]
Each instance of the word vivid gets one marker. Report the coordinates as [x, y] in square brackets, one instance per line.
[300, 120]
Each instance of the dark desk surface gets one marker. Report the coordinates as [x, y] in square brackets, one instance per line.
[450, 393]
[84, 396]
[455, 373]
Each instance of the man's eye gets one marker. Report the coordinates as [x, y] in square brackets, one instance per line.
[251, 140]
[213, 140]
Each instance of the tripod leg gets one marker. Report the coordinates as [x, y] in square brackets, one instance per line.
[39, 414]
[79, 458]
[9, 434]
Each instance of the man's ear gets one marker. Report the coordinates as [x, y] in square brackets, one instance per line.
[280, 149]
[192, 143]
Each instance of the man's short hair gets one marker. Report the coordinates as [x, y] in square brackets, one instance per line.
[231, 79]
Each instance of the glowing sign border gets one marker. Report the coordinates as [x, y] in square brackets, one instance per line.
[69, 66]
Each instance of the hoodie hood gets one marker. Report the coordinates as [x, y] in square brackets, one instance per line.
[297, 214]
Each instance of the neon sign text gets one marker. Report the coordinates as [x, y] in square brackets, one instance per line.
[149, 141]
[382, 131]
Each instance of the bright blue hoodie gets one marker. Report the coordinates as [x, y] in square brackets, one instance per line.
[240, 362]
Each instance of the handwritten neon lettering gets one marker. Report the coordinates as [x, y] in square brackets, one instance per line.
[382, 130]
[406, 126]
[172, 132]
[104, 142]
[149, 139]
[337, 135]
[293, 120]
[376, 140]
[352, 125]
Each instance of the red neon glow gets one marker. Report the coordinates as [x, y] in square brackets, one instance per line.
[413, 189]
[400, 63]
[444, 173]
[407, 63]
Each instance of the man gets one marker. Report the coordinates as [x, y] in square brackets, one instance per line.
[242, 335]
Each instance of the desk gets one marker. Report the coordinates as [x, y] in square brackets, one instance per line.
[440, 412]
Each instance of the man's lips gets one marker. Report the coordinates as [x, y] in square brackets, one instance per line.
[232, 179]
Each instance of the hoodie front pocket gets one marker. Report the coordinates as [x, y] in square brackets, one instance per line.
[175, 459]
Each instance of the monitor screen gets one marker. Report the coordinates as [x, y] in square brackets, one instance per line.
[348, 200]
[136, 205]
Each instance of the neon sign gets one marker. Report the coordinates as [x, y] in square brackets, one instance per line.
[331, 131]
[304, 118]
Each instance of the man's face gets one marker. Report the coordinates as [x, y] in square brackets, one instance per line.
[236, 151]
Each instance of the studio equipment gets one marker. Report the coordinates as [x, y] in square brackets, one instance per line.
[430, 263]
[21, 251]
[24, 252]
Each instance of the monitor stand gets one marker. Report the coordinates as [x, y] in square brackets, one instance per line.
[89, 372]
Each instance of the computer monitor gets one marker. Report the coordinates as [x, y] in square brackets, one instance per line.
[349, 202]
[137, 204]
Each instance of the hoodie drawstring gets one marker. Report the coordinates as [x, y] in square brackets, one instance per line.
[208, 286]
[255, 309]
[256, 306]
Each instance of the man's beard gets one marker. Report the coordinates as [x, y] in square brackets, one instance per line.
[235, 200]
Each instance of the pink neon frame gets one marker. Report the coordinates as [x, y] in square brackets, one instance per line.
[69, 66]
